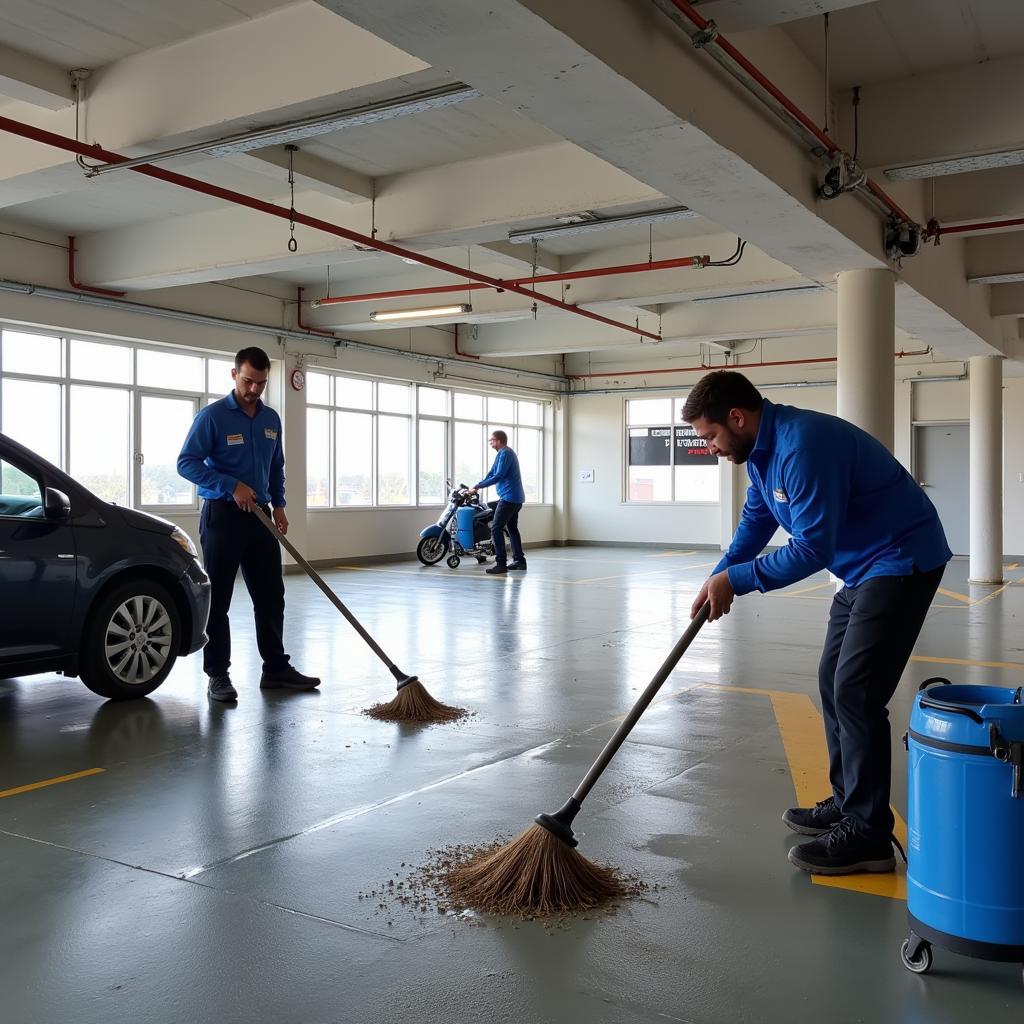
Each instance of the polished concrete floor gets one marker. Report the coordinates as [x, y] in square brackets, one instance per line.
[211, 871]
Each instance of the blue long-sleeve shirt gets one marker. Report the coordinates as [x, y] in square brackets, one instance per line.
[225, 445]
[505, 473]
[847, 504]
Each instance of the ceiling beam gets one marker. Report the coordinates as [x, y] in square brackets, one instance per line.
[743, 15]
[312, 173]
[34, 80]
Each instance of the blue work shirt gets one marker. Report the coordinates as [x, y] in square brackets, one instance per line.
[505, 473]
[847, 504]
[225, 445]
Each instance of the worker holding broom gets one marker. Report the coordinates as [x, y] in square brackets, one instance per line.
[851, 508]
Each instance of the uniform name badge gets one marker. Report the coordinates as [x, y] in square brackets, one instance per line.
[236, 439]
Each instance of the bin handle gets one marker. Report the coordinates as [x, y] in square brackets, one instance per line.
[935, 679]
[956, 709]
[1017, 696]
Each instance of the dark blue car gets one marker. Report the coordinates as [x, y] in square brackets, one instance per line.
[91, 589]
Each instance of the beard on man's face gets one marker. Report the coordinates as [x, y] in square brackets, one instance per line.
[737, 448]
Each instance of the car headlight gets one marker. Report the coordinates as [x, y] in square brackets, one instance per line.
[182, 538]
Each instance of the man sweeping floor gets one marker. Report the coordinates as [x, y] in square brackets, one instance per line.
[851, 508]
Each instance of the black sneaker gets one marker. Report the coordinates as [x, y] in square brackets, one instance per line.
[517, 566]
[843, 851]
[498, 569]
[813, 821]
[289, 678]
[220, 688]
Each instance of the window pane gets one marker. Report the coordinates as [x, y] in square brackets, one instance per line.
[318, 388]
[33, 415]
[393, 460]
[501, 410]
[111, 364]
[650, 483]
[469, 453]
[697, 483]
[218, 376]
[529, 452]
[353, 393]
[510, 433]
[354, 458]
[650, 464]
[678, 404]
[171, 371]
[318, 458]
[27, 496]
[433, 402]
[164, 422]
[393, 397]
[432, 451]
[531, 413]
[469, 407]
[31, 353]
[100, 415]
[649, 410]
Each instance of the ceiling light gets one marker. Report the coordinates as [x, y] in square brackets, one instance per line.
[580, 224]
[956, 165]
[415, 314]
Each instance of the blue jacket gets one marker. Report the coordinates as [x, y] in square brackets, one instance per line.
[847, 504]
[505, 473]
[224, 446]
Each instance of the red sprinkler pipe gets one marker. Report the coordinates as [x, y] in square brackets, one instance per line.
[84, 287]
[302, 326]
[986, 225]
[572, 275]
[27, 131]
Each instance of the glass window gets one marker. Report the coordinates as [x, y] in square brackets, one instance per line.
[318, 458]
[529, 453]
[163, 424]
[469, 453]
[318, 388]
[20, 494]
[433, 401]
[678, 405]
[31, 353]
[353, 393]
[531, 414]
[393, 397]
[218, 376]
[104, 467]
[353, 458]
[649, 410]
[469, 407]
[111, 364]
[393, 460]
[650, 464]
[431, 489]
[501, 410]
[170, 370]
[33, 414]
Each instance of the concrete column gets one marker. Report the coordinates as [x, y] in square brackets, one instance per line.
[986, 375]
[866, 318]
[562, 469]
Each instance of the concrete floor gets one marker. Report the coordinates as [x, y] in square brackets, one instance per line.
[211, 872]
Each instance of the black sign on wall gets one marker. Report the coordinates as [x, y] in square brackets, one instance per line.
[650, 447]
[690, 449]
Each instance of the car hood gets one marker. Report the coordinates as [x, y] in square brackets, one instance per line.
[144, 520]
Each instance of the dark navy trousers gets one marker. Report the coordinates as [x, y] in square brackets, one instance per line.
[872, 630]
[231, 540]
[506, 516]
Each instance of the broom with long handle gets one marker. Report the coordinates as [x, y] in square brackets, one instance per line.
[417, 702]
[540, 871]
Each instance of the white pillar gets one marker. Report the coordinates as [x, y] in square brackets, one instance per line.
[866, 318]
[986, 376]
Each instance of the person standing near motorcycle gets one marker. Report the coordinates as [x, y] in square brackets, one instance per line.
[511, 496]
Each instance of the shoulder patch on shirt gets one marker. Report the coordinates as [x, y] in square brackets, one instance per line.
[780, 494]
[236, 439]
[269, 432]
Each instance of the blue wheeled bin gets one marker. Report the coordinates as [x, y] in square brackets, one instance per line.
[965, 821]
[464, 526]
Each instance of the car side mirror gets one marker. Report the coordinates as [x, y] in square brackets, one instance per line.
[56, 504]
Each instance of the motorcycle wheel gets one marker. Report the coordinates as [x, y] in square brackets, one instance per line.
[431, 550]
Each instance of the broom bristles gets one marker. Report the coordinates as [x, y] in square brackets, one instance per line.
[534, 875]
[414, 704]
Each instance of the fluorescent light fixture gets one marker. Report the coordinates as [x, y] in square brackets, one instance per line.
[581, 223]
[1011, 278]
[956, 165]
[415, 314]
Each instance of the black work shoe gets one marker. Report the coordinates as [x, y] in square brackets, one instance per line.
[220, 688]
[813, 821]
[289, 678]
[843, 851]
[498, 569]
[516, 566]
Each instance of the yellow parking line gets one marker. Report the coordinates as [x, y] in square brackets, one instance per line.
[1014, 666]
[673, 554]
[50, 782]
[804, 590]
[954, 594]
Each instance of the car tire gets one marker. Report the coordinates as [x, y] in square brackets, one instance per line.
[131, 640]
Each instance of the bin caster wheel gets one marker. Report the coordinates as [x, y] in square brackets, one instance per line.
[921, 963]
[454, 561]
[480, 559]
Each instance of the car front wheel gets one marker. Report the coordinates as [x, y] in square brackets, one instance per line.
[131, 641]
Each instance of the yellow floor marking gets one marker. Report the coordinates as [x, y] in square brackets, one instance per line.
[673, 554]
[1013, 565]
[804, 590]
[50, 782]
[1013, 666]
[956, 596]
[803, 738]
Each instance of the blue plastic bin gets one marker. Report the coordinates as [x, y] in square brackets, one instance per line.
[464, 526]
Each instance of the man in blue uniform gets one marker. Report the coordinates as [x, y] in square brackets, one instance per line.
[233, 454]
[851, 508]
[511, 497]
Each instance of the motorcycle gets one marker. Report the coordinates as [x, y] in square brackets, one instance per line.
[463, 530]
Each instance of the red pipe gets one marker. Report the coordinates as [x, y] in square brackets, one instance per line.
[302, 326]
[573, 275]
[987, 225]
[28, 131]
[465, 355]
[84, 287]
[788, 105]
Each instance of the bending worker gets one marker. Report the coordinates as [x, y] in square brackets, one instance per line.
[511, 496]
[851, 508]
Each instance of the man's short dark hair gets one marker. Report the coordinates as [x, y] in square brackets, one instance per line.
[500, 435]
[718, 392]
[255, 357]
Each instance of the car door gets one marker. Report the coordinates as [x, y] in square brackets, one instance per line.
[38, 567]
